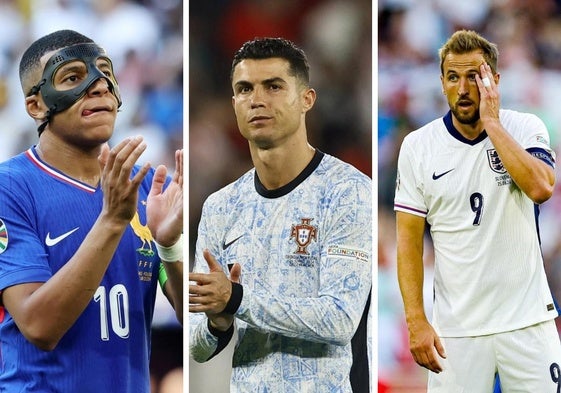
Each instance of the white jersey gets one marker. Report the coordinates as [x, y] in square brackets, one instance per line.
[305, 254]
[489, 274]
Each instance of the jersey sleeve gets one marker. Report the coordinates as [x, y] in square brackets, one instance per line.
[202, 343]
[408, 188]
[534, 137]
[22, 256]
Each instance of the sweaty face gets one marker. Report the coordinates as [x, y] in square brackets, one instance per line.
[267, 100]
[460, 86]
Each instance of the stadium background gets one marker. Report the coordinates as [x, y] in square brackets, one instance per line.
[337, 37]
[145, 41]
[409, 95]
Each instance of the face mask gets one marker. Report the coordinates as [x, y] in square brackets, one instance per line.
[59, 95]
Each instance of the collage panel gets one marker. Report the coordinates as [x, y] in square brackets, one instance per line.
[467, 137]
[280, 185]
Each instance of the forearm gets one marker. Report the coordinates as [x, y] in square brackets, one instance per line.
[174, 287]
[53, 307]
[330, 318]
[411, 276]
[533, 176]
[410, 269]
[204, 344]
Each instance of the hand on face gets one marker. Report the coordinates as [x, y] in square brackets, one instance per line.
[489, 97]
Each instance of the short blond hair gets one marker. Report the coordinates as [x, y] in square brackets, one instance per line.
[466, 41]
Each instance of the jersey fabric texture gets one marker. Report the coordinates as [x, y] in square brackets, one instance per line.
[305, 254]
[45, 216]
[489, 274]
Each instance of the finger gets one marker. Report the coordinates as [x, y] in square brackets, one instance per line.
[235, 273]
[103, 156]
[198, 292]
[178, 174]
[200, 278]
[128, 156]
[213, 264]
[139, 176]
[428, 361]
[439, 347]
[197, 308]
[112, 154]
[158, 180]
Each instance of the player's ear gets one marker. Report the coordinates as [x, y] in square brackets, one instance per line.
[36, 108]
[308, 99]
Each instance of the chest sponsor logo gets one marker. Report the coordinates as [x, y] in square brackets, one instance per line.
[303, 234]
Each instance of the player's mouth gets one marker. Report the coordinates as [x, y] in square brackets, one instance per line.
[258, 119]
[95, 110]
[464, 104]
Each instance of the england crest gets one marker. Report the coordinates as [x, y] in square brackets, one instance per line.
[495, 161]
[304, 233]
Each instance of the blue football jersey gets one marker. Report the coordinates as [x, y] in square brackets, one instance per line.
[44, 217]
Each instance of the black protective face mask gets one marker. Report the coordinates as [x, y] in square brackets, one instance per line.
[58, 100]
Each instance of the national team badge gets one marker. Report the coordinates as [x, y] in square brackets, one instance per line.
[3, 237]
[304, 233]
[495, 161]
[144, 234]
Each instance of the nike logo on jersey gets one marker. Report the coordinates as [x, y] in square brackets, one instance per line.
[226, 245]
[52, 241]
[436, 177]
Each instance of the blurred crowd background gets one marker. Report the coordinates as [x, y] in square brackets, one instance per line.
[410, 32]
[337, 38]
[144, 38]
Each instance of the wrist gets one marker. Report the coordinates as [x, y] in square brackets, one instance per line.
[172, 253]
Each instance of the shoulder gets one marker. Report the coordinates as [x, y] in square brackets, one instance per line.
[518, 119]
[335, 176]
[422, 136]
[339, 170]
[234, 190]
[16, 170]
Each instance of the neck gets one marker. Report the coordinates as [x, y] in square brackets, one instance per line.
[79, 164]
[277, 167]
[468, 131]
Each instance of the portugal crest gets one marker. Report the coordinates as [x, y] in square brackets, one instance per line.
[495, 161]
[304, 233]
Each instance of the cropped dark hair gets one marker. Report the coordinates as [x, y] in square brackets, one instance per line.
[31, 58]
[266, 48]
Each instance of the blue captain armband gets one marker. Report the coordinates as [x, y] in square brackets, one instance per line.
[543, 155]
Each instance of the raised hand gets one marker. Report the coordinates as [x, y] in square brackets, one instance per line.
[120, 192]
[164, 209]
[489, 103]
[212, 292]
